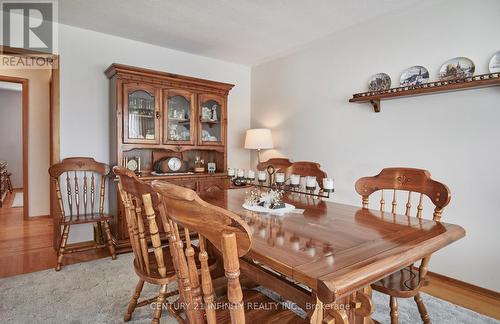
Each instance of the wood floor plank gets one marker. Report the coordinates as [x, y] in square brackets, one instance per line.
[26, 246]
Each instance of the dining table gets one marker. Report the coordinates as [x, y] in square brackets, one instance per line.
[324, 255]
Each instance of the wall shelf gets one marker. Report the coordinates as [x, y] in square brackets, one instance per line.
[474, 82]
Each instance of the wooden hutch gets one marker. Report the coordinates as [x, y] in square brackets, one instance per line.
[155, 115]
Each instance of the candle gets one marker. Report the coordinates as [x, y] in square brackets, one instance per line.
[230, 172]
[251, 174]
[241, 173]
[328, 183]
[280, 240]
[295, 179]
[310, 182]
[139, 164]
[280, 177]
[262, 175]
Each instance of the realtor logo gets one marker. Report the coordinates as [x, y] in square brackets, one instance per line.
[29, 24]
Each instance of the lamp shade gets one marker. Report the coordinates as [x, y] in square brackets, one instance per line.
[258, 138]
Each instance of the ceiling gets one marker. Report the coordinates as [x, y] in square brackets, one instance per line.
[242, 31]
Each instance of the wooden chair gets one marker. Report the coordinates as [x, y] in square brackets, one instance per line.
[80, 178]
[9, 183]
[156, 266]
[276, 163]
[231, 237]
[307, 168]
[407, 282]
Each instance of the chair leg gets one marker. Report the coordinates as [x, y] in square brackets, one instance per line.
[159, 304]
[99, 233]
[62, 247]
[422, 310]
[110, 242]
[394, 310]
[133, 302]
[9, 183]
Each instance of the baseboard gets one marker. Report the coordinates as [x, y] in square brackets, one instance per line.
[478, 299]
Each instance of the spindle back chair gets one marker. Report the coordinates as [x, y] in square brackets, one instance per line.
[307, 168]
[227, 233]
[144, 220]
[406, 282]
[82, 181]
[277, 163]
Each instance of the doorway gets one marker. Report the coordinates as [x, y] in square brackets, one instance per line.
[14, 145]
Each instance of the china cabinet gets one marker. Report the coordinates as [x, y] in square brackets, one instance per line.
[155, 116]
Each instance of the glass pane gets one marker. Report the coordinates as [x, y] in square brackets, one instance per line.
[179, 119]
[210, 121]
[141, 115]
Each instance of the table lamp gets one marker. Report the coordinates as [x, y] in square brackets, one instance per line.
[258, 139]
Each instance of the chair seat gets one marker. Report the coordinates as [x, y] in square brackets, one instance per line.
[86, 218]
[154, 276]
[258, 309]
[404, 283]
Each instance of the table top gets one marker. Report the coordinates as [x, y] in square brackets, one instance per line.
[335, 248]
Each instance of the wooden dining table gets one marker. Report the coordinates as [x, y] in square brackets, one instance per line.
[325, 258]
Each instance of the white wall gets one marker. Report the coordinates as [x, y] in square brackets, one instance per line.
[11, 134]
[304, 96]
[38, 137]
[85, 91]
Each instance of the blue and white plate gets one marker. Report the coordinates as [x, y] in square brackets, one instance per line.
[495, 63]
[415, 75]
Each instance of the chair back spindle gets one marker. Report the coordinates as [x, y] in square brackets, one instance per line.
[74, 172]
[409, 180]
[138, 201]
[70, 178]
[405, 180]
[226, 231]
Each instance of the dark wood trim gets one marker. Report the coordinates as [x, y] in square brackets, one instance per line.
[55, 143]
[474, 82]
[173, 79]
[25, 131]
[54, 123]
[478, 299]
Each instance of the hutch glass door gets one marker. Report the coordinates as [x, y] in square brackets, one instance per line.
[212, 116]
[141, 114]
[179, 113]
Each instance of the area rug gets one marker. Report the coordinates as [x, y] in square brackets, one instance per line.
[99, 291]
[18, 200]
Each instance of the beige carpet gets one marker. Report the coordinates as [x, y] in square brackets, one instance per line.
[99, 291]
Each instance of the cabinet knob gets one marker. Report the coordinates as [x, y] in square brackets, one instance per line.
[157, 115]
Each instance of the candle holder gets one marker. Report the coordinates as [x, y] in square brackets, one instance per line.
[250, 180]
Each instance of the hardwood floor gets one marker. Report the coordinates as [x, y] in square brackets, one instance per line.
[26, 246]
[483, 301]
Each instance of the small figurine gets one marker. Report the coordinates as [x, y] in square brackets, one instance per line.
[214, 112]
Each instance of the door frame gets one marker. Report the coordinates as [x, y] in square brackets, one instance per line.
[54, 125]
[25, 133]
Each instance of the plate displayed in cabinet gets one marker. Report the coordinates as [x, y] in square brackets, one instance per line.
[415, 75]
[494, 65]
[457, 68]
[379, 81]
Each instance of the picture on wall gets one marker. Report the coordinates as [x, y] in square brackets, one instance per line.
[414, 75]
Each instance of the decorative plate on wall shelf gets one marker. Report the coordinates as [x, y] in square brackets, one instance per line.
[495, 63]
[457, 68]
[415, 75]
[379, 81]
